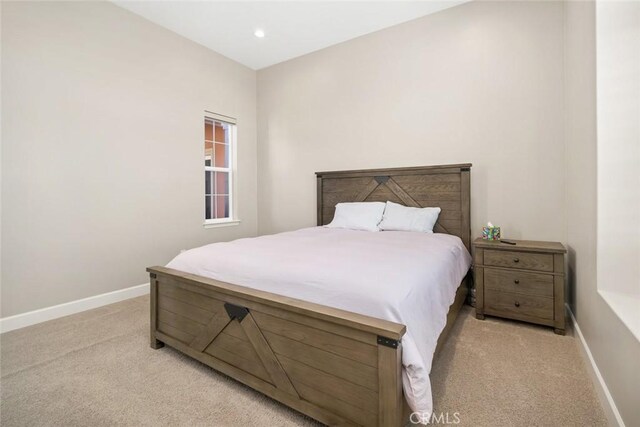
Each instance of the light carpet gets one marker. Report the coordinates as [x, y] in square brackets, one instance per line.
[96, 368]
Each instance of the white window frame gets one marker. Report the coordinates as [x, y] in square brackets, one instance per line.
[618, 157]
[232, 170]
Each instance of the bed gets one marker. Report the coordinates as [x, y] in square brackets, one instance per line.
[323, 349]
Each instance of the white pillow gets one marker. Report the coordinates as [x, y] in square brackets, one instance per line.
[358, 216]
[402, 218]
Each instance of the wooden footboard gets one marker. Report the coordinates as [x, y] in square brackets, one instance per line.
[338, 367]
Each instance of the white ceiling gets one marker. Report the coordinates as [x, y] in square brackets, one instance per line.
[292, 28]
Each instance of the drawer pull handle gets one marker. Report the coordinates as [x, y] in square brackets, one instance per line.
[516, 260]
[517, 304]
[516, 281]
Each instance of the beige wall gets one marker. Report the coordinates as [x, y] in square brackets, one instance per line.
[102, 169]
[481, 83]
[615, 350]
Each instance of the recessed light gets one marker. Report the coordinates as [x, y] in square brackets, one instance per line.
[259, 33]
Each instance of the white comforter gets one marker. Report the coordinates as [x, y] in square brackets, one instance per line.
[406, 277]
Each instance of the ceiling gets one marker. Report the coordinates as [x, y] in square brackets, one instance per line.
[292, 28]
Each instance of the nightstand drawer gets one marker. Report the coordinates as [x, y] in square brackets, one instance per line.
[523, 260]
[518, 282]
[518, 306]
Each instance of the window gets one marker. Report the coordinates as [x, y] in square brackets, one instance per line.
[219, 147]
[618, 158]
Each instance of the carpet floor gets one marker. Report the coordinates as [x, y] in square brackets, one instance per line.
[96, 368]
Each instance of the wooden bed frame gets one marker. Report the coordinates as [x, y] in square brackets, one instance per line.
[335, 366]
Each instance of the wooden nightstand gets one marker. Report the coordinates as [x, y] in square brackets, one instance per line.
[524, 281]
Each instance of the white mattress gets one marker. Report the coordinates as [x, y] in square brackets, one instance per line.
[406, 277]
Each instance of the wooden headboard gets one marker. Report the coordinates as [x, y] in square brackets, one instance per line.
[444, 186]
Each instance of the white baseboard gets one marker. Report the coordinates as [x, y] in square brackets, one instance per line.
[49, 313]
[609, 406]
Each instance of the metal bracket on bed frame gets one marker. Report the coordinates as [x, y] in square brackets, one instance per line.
[387, 342]
[381, 179]
[235, 311]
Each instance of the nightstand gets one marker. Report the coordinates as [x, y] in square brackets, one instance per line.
[524, 281]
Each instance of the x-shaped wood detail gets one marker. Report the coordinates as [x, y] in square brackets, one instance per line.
[393, 186]
[219, 322]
